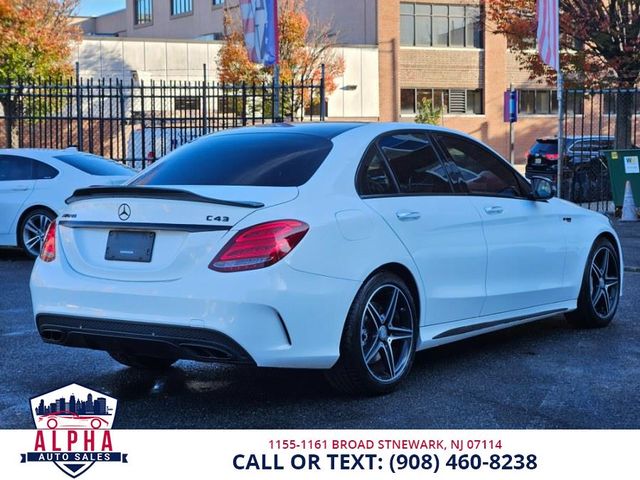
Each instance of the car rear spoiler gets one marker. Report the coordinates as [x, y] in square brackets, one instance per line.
[153, 192]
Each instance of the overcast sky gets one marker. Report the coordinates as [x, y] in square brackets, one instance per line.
[98, 7]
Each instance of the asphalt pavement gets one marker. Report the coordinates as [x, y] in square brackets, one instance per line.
[542, 375]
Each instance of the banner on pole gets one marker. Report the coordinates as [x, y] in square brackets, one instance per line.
[548, 33]
[259, 24]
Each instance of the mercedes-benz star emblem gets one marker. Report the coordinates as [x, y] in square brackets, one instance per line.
[124, 212]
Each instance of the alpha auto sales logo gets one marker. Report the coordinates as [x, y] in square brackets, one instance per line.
[73, 429]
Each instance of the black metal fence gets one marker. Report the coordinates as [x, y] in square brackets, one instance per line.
[596, 120]
[137, 122]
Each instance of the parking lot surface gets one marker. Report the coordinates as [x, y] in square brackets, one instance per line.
[542, 375]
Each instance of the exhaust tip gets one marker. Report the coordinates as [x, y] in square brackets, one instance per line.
[53, 336]
[206, 353]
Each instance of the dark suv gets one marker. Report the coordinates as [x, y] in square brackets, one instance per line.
[584, 171]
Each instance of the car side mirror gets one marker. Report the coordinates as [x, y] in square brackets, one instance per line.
[542, 188]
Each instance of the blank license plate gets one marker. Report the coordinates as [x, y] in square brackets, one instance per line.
[125, 246]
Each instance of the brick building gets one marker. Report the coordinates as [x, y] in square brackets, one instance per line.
[438, 49]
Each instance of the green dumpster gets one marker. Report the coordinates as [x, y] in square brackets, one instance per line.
[623, 165]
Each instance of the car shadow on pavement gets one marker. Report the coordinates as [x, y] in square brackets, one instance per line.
[13, 255]
[238, 382]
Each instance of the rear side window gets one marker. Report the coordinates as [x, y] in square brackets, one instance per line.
[544, 147]
[415, 164]
[373, 177]
[42, 171]
[249, 159]
[591, 146]
[95, 165]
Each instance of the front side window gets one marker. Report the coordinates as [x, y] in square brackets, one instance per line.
[482, 171]
[143, 12]
[249, 159]
[415, 164]
[181, 7]
[15, 168]
[426, 25]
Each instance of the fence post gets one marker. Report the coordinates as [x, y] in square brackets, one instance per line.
[322, 97]
[122, 121]
[244, 104]
[8, 115]
[204, 99]
[79, 107]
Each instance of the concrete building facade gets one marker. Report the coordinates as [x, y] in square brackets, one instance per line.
[149, 60]
[438, 49]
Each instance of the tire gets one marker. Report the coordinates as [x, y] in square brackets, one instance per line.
[369, 334]
[142, 362]
[32, 230]
[600, 290]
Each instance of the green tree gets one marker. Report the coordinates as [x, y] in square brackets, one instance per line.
[428, 113]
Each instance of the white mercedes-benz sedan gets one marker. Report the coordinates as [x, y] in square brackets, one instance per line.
[34, 184]
[337, 246]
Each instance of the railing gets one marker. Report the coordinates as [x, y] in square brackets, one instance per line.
[137, 122]
[596, 120]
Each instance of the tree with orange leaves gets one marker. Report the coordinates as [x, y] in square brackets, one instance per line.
[36, 38]
[304, 48]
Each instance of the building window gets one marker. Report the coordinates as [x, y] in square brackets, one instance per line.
[218, 2]
[609, 101]
[425, 25]
[454, 101]
[185, 104]
[211, 36]
[538, 102]
[143, 13]
[545, 102]
[181, 7]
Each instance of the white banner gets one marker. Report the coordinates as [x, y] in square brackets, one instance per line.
[324, 454]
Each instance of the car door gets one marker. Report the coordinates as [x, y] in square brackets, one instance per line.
[16, 184]
[402, 178]
[525, 238]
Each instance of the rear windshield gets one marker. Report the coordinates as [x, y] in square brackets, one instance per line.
[95, 165]
[252, 159]
[545, 146]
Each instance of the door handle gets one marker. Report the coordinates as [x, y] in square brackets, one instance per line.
[404, 215]
[20, 189]
[495, 210]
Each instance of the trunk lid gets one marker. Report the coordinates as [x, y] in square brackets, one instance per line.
[155, 234]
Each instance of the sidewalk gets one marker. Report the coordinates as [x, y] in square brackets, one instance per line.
[629, 233]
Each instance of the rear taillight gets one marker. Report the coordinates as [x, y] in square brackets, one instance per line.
[552, 156]
[259, 246]
[48, 251]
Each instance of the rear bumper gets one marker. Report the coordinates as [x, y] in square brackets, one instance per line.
[273, 317]
[161, 341]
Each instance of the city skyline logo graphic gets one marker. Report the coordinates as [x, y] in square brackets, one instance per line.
[73, 429]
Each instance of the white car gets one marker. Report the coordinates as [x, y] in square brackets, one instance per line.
[34, 184]
[344, 247]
